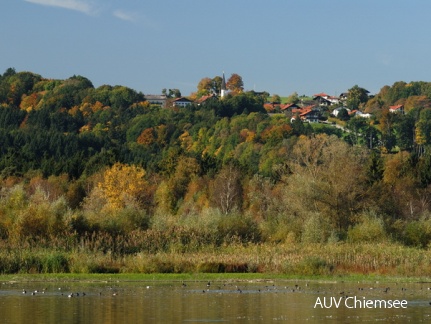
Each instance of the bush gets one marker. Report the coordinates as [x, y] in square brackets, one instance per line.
[239, 226]
[417, 233]
[316, 230]
[370, 229]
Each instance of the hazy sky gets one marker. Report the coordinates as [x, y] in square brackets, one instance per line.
[279, 46]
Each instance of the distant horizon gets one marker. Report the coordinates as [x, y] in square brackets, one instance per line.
[283, 47]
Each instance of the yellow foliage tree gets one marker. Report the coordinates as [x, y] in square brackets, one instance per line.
[121, 184]
[29, 103]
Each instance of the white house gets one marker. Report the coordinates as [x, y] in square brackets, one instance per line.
[157, 100]
[397, 109]
[181, 102]
[357, 113]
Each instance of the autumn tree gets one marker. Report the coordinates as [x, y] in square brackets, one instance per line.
[122, 184]
[227, 190]
[374, 105]
[327, 179]
[356, 97]
[147, 137]
[235, 83]
[173, 190]
[205, 86]
[417, 102]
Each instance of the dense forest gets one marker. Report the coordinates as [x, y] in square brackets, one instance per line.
[84, 164]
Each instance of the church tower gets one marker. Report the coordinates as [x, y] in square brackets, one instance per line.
[223, 91]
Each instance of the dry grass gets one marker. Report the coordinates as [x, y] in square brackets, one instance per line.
[292, 259]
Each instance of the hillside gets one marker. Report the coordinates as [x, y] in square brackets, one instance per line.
[94, 164]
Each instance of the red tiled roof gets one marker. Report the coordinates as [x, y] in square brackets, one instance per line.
[268, 106]
[321, 95]
[286, 106]
[396, 107]
[305, 112]
[204, 98]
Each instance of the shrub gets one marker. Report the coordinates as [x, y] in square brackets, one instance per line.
[316, 229]
[241, 226]
[417, 233]
[370, 229]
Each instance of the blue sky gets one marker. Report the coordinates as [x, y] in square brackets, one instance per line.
[279, 46]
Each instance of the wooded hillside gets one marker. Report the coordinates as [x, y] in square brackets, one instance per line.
[77, 159]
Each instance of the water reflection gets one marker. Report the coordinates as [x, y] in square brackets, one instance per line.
[198, 302]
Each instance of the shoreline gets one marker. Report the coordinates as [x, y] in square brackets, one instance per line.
[198, 277]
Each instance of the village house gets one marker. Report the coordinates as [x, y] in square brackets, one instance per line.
[322, 99]
[159, 100]
[288, 107]
[205, 99]
[310, 114]
[358, 113]
[181, 102]
[397, 109]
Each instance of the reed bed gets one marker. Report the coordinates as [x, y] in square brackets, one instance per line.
[150, 253]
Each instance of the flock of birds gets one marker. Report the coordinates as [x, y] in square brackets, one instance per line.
[112, 292]
[36, 292]
[235, 288]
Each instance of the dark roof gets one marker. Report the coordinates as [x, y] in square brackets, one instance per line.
[183, 99]
[155, 97]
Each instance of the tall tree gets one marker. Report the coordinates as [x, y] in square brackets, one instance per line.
[319, 182]
[216, 84]
[275, 98]
[171, 93]
[235, 83]
[356, 97]
[227, 189]
[293, 98]
[204, 87]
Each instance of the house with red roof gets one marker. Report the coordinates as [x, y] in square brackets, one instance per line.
[397, 109]
[322, 94]
[325, 100]
[310, 114]
[288, 107]
[205, 99]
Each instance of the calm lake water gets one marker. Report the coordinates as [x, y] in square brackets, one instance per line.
[220, 302]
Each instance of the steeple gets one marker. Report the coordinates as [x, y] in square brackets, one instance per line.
[223, 91]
